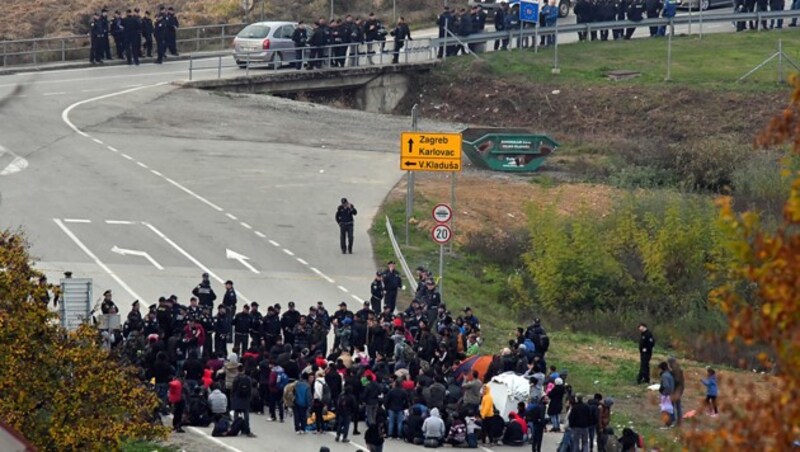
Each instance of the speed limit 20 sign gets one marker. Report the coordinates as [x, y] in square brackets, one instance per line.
[441, 234]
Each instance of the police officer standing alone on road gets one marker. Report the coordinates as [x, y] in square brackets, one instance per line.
[344, 218]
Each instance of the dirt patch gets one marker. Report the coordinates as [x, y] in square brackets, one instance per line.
[499, 202]
[604, 116]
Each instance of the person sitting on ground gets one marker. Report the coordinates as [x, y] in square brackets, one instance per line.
[218, 402]
[457, 435]
[493, 427]
[433, 427]
[412, 432]
[515, 430]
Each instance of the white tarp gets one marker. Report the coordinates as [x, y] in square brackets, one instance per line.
[508, 389]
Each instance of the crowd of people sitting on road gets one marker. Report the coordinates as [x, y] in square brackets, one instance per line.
[417, 374]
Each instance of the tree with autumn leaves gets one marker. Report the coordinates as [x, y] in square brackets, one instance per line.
[59, 388]
[762, 303]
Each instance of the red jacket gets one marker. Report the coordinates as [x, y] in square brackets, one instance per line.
[198, 332]
[175, 393]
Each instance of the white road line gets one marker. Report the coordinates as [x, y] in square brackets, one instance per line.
[141, 164]
[156, 173]
[133, 86]
[355, 297]
[66, 112]
[190, 257]
[231, 216]
[127, 156]
[112, 149]
[302, 261]
[352, 443]
[96, 260]
[261, 234]
[119, 222]
[274, 243]
[288, 252]
[245, 225]
[93, 90]
[194, 195]
[215, 440]
[323, 275]
[76, 220]
[343, 289]
[97, 141]
[60, 93]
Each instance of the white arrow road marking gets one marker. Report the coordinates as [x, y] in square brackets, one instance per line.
[123, 252]
[230, 254]
[96, 260]
[17, 164]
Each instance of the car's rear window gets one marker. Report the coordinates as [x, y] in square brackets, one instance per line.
[254, 32]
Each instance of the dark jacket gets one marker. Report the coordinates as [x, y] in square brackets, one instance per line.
[636, 10]
[396, 400]
[345, 215]
[205, 294]
[580, 416]
[392, 281]
[556, 404]
[401, 32]
[242, 322]
[647, 342]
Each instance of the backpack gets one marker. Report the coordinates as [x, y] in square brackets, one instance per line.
[408, 353]
[326, 395]
[221, 427]
[544, 343]
[289, 395]
[281, 380]
[242, 387]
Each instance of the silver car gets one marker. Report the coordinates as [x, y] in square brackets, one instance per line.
[264, 42]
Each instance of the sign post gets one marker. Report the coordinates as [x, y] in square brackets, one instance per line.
[410, 178]
[441, 234]
[529, 12]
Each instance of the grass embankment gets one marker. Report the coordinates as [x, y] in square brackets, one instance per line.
[716, 61]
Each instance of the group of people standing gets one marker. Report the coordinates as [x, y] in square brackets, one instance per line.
[339, 41]
[132, 34]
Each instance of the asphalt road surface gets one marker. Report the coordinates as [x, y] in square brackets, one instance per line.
[116, 175]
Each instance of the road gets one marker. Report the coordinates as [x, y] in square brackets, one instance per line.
[116, 175]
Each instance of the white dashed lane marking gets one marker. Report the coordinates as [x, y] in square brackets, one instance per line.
[231, 216]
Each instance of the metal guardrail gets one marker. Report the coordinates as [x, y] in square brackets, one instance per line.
[412, 280]
[69, 48]
[427, 49]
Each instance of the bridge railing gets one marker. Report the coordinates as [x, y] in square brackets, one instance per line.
[69, 48]
[429, 49]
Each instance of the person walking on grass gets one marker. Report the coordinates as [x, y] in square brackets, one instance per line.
[712, 390]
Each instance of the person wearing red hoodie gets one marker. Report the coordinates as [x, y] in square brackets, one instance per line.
[515, 430]
[176, 399]
[194, 336]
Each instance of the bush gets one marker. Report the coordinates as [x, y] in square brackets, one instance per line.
[650, 255]
[498, 247]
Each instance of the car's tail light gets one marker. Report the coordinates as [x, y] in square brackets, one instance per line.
[265, 44]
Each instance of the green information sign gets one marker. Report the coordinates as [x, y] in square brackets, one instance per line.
[510, 150]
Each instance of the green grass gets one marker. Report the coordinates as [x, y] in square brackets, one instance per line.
[716, 61]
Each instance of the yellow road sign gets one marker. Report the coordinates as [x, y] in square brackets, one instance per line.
[422, 151]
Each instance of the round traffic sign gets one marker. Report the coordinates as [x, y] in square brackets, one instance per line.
[441, 234]
[442, 213]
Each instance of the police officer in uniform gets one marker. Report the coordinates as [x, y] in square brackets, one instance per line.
[172, 31]
[344, 218]
[256, 320]
[377, 292]
[241, 328]
[132, 32]
[204, 293]
[289, 319]
[160, 33]
[356, 39]
[635, 13]
[147, 33]
[96, 34]
[401, 33]
[620, 8]
[105, 46]
[300, 40]
[118, 32]
[392, 282]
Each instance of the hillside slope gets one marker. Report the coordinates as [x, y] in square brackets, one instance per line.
[40, 18]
